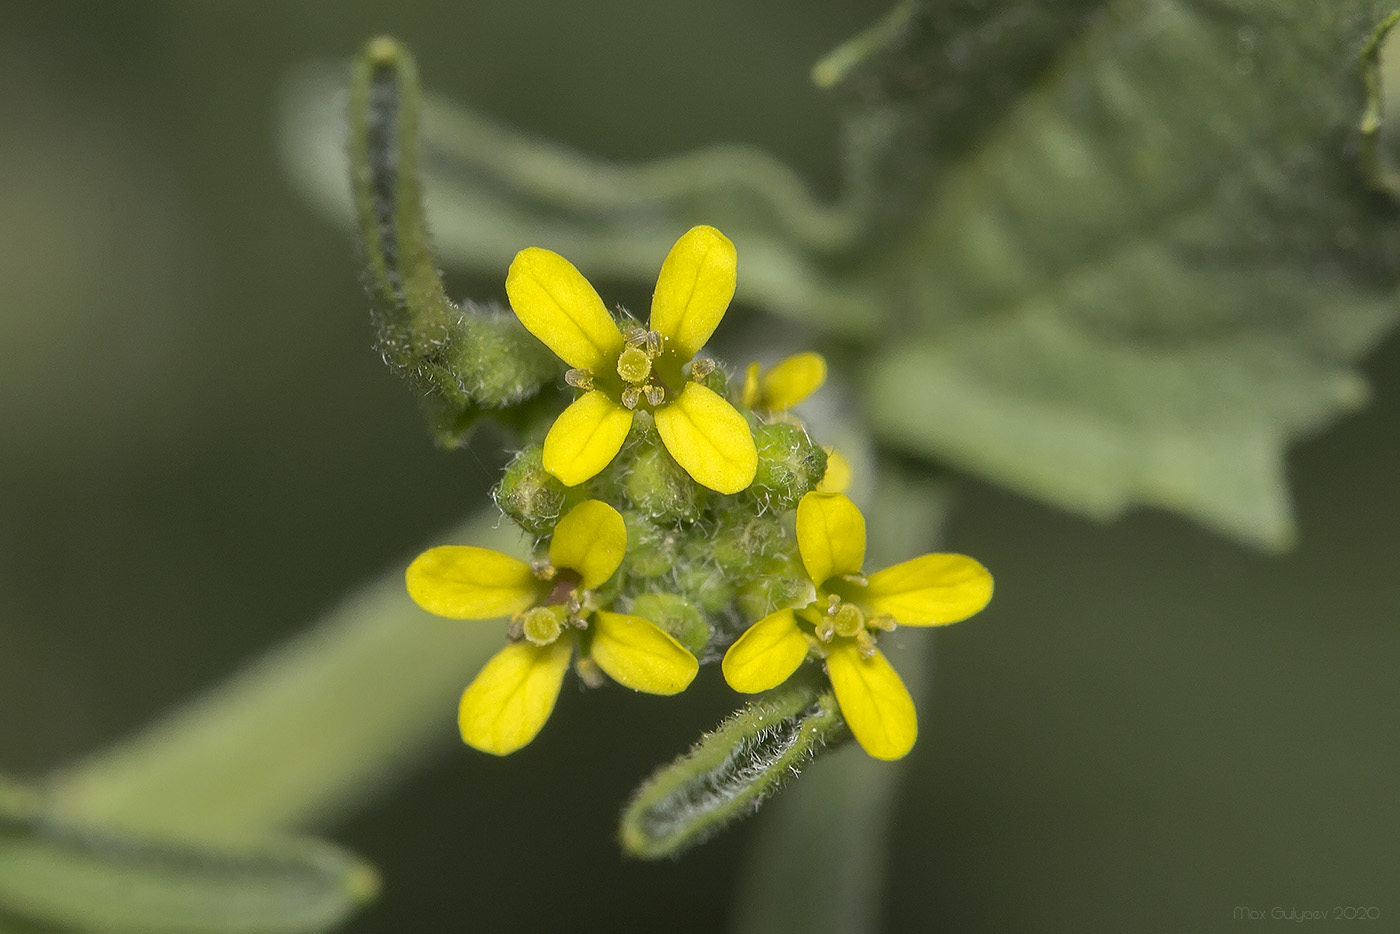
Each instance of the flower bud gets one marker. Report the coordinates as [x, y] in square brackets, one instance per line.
[494, 359]
[532, 498]
[675, 615]
[659, 487]
[651, 550]
[745, 541]
[790, 464]
[782, 582]
[706, 585]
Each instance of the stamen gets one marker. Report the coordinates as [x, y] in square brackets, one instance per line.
[631, 396]
[542, 569]
[655, 394]
[702, 368]
[579, 378]
[589, 672]
[865, 648]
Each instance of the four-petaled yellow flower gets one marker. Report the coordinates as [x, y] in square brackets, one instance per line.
[552, 608]
[847, 608]
[641, 369]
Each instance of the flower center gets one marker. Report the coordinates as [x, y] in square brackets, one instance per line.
[543, 625]
[842, 619]
[635, 366]
[564, 607]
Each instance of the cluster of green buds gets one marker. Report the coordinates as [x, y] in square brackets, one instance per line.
[680, 519]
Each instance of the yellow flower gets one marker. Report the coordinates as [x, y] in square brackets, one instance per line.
[641, 369]
[552, 608]
[847, 608]
[784, 384]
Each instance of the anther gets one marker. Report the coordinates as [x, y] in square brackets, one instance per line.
[865, 648]
[631, 396]
[579, 378]
[702, 368]
[655, 394]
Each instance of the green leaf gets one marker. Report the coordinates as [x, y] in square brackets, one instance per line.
[1156, 270]
[56, 875]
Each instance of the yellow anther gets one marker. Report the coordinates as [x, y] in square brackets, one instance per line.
[655, 394]
[579, 378]
[865, 647]
[631, 396]
[702, 368]
[542, 569]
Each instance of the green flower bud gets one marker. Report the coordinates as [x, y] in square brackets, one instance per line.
[676, 616]
[705, 585]
[790, 464]
[651, 550]
[746, 541]
[495, 360]
[782, 582]
[532, 498]
[659, 487]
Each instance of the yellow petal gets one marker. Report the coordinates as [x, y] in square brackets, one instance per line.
[591, 540]
[638, 654]
[513, 696]
[694, 289]
[929, 590]
[838, 473]
[709, 438]
[766, 654]
[465, 582]
[792, 380]
[873, 700]
[556, 304]
[750, 394]
[830, 536]
[586, 437]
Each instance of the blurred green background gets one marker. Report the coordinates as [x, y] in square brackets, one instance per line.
[199, 450]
